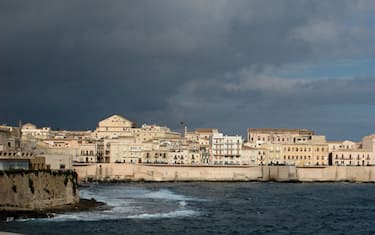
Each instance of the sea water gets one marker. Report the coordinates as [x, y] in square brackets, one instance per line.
[216, 208]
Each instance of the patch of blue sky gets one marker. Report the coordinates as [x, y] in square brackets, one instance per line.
[338, 69]
[355, 117]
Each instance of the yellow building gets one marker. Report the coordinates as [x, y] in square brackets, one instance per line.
[305, 154]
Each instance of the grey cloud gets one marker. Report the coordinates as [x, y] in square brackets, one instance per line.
[279, 102]
[70, 63]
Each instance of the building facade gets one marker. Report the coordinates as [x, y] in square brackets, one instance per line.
[259, 136]
[225, 150]
[113, 127]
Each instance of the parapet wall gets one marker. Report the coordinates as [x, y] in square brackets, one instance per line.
[34, 190]
[134, 172]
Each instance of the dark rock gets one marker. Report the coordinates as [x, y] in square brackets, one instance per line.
[83, 205]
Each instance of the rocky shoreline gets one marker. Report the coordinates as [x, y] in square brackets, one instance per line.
[83, 205]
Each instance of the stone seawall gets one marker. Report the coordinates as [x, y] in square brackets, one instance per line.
[35, 190]
[134, 172]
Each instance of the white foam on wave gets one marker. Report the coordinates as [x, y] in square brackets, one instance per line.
[131, 203]
[166, 194]
[172, 214]
[183, 203]
[97, 216]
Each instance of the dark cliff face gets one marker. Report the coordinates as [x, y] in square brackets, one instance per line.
[34, 190]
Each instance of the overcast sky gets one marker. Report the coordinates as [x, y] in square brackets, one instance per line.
[224, 64]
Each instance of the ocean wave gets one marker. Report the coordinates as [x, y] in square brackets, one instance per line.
[166, 194]
[131, 203]
[173, 214]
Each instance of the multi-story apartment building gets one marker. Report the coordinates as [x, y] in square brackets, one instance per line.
[87, 152]
[184, 156]
[30, 131]
[249, 156]
[201, 137]
[150, 132]
[271, 154]
[259, 136]
[293, 154]
[225, 150]
[313, 154]
[124, 150]
[298, 147]
[352, 155]
[262, 156]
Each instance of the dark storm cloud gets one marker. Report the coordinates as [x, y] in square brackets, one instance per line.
[70, 63]
[326, 105]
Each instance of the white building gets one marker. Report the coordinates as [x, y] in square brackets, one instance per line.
[225, 150]
[30, 131]
[123, 150]
[249, 156]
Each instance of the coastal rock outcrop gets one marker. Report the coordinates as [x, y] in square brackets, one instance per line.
[37, 190]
